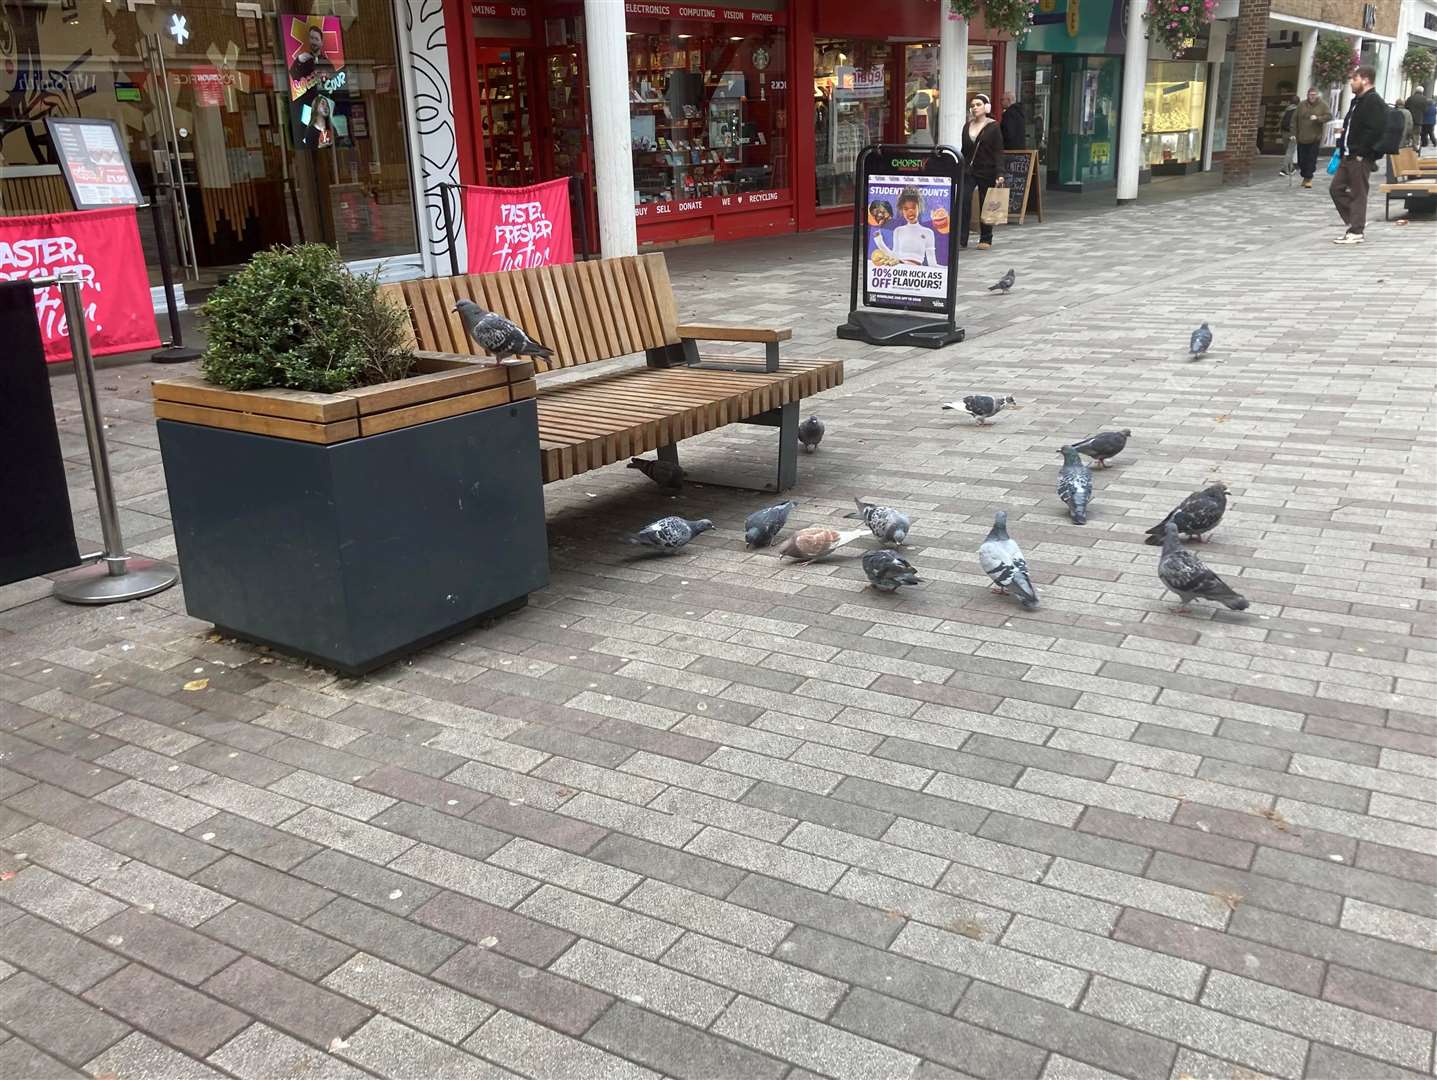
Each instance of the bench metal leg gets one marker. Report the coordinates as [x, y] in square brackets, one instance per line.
[670, 453]
[788, 446]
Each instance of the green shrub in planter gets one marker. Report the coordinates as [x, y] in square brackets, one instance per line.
[296, 318]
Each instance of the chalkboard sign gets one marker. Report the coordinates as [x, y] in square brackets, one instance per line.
[1020, 168]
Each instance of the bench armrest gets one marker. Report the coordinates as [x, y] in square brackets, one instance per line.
[735, 333]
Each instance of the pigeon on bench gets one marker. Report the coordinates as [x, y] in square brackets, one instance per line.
[497, 335]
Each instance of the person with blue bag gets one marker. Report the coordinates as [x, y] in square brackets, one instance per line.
[1363, 131]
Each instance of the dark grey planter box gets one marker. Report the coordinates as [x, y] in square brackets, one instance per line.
[356, 553]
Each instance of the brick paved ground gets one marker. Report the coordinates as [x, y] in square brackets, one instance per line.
[711, 816]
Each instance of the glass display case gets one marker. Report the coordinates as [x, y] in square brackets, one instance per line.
[1174, 106]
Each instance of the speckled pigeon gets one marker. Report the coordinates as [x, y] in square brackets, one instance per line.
[667, 474]
[810, 433]
[670, 533]
[889, 525]
[1004, 283]
[816, 541]
[887, 570]
[1199, 513]
[760, 527]
[1185, 574]
[496, 334]
[981, 406]
[1104, 445]
[1075, 485]
[1002, 560]
[1200, 341]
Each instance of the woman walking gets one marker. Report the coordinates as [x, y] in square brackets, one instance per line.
[983, 166]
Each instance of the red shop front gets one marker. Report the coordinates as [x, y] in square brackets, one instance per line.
[745, 119]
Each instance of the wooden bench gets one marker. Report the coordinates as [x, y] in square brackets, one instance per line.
[1408, 176]
[599, 310]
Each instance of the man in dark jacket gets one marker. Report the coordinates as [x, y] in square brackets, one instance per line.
[1312, 117]
[1417, 106]
[1012, 124]
[1361, 134]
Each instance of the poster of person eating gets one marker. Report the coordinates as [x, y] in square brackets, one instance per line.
[907, 241]
[314, 63]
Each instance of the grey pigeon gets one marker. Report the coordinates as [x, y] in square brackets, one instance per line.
[1201, 339]
[1185, 574]
[760, 527]
[667, 474]
[1002, 560]
[810, 433]
[1199, 513]
[1004, 283]
[1075, 485]
[887, 570]
[981, 406]
[1104, 445]
[889, 525]
[497, 335]
[670, 533]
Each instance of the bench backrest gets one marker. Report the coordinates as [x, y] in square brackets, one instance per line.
[584, 311]
[1403, 163]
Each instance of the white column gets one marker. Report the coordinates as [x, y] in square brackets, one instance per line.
[1217, 56]
[609, 107]
[1304, 60]
[1010, 69]
[952, 80]
[1130, 120]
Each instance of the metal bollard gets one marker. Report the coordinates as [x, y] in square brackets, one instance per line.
[117, 575]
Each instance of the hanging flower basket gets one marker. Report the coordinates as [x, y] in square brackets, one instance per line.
[1333, 61]
[1177, 23]
[1012, 17]
[1418, 64]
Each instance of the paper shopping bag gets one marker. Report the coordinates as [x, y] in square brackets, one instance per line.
[995, 207]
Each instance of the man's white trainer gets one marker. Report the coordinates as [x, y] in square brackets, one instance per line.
[1349, 238]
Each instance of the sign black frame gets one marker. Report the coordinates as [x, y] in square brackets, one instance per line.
[54, 122]
[925, 328]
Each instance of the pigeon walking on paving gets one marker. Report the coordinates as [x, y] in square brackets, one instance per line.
[1200, 341]
[1002, 560]
[816, 541]
[887, 570]
[1004, 283]
[889, 525]
[810, 433]
[1104, 445]
[668, 534]
[497, 335]
[981, 406]
[760, 527]
[1075, 485]
[667, 474]
[1199, 513]
[1184, 573]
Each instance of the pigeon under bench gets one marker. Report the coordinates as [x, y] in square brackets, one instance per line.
[603, 309]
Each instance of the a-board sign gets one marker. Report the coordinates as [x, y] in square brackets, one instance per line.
[93, 159]
[1020, 168]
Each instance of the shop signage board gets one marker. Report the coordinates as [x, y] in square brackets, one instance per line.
[102, 249]
[705, 12]
[1020, 168]
[904, 258]
[93, 158]
[709, 204]
[514, 228]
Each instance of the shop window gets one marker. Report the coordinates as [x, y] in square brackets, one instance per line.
[1174, 104]
[708, 110]
[852, 92]
[920, 94]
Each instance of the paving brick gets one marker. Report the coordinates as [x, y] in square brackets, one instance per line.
[175, 898]
[757, 976]
[153, 768]
[158, 846]
[1253, 824]
[353, 837]
[391, 1049]
[743, 817]
[621, 928]
[1401, 1002]
[277, 941]
[1224, 1036]
[1218, 882]
[675, 1049]
[992, 963]
[287, 1002]
[58, 807]
[155, 804]
[384, 935]
[761, 857]
[536, 824]
[1400, 926]
[56, 954]
[254, 841]
[1190, 1063]
[58, 899]
[241, 879]
[57, 850]
[1319, 1020]
[414, 787]
[64, 771]
[934, 809]
[1055, 840]
[1011, 894]
[833, 914]
[374, 885]
[509, 985]
[512, 935]
[170, 1011]
[418, 1001]
[715, 918]
[1024, 754]
[532, 1050]
[139, 1057]
[1223, 952]
[811, 1044]
[970, 850]
[1097, 1043]
[469, 876]
[705, 875]
[262, 1053]
[55, 1022]
[653, 986]
[167, 947]
[236, 764]
[1335, 945]
[441, 830]
[1144, 967]
[1131, 891]
[1165, 837]
[883, 972]
[1329, 1063]
[565, 868]
[19, 1058]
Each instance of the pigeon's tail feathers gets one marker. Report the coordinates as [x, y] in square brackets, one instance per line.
[1156, 533]
[1080, 515]
[543, 352]
[1236, 602]
[1027, 595]
[632, 539]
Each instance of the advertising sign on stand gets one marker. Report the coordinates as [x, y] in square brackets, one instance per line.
[904, 258]
[93, 159]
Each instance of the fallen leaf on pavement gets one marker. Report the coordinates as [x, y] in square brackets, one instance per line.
[197, 684]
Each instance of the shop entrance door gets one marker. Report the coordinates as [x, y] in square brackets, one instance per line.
[568, 149]
[505, 116]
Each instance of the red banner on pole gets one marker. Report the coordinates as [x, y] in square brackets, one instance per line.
[102, 248]
[516, 228]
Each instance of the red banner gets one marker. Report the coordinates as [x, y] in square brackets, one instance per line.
[102, 249]
[516, 228]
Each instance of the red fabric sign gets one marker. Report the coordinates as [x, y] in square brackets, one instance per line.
[518, 227]
[102, 248]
